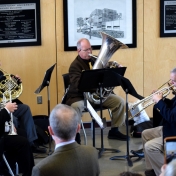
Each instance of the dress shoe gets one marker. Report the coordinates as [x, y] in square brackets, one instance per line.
[139, 153]
[117, 135]
[37, 149]
[150, 173]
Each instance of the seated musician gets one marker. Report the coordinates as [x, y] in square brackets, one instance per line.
[23, 119]
[75, 98]
[16, 147]
[152, 139]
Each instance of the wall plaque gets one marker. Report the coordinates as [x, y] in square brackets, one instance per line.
[20, 23]
[167, 18]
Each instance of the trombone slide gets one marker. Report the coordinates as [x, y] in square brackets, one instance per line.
[144, 103]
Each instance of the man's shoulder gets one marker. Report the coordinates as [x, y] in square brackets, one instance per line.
[75, 60]
[88, 148]
[50, 160]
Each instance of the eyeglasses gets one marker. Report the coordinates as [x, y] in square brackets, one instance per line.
[88, 49]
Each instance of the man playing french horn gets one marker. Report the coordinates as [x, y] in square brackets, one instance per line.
[75, 98]
[16, 147]
[22, 116]
[152, 139]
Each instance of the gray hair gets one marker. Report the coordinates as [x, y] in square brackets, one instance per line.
[64, 121]
[171, 169]
[173, 70]
[79, 42]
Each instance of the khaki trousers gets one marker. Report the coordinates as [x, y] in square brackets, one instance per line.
[115, 103]
[152, 140]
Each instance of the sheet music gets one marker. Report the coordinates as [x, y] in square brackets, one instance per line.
[94, 114]
[38, 90]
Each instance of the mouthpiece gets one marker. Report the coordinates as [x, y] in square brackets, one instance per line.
[93, 56]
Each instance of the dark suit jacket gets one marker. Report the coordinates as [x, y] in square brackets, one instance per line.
[69, 160]
[75, 71]
[168, 111]
[4, 116]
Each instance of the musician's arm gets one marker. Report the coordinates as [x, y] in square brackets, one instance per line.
[11, 107]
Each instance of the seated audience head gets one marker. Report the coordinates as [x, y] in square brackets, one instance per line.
[64, 123]
[169, 169]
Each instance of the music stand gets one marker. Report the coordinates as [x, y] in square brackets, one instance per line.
[100, 78]
[129, 89]
[46, 82]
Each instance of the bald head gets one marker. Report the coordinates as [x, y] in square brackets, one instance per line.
[84, 48]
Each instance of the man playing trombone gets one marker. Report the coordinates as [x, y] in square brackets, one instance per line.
[152, 139]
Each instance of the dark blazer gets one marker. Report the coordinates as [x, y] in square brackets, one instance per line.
[4, 116]
[75, 71]
[167, 109]
[17, 147]
[69, 160]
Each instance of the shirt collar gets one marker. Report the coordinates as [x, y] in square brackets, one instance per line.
[64, 143]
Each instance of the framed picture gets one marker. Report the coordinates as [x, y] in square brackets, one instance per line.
[167, 18]
[85, 19]
[20, 23]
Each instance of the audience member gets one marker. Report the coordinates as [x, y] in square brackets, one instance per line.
[69, 158]
[169, 169]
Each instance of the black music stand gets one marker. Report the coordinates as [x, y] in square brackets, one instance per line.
[99, 78]
[129, 89]
[46, 82]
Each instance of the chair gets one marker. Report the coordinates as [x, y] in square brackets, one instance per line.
[66, 81]
[2, 152]
[8, 166]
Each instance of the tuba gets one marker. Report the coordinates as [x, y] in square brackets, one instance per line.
[109, 46]
[9, 83]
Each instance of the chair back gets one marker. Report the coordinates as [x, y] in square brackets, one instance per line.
[66, 80]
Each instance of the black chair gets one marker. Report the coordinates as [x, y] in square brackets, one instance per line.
[97, 108]
[2, 152]
[9, 168]
[66, 81]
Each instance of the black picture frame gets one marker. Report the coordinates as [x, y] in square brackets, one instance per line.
[20, 23]
[85, 19]
[167, 18]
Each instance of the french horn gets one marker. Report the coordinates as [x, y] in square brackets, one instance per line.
[9, 83]
[109, 46]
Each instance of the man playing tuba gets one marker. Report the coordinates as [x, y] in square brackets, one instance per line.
[75, 98]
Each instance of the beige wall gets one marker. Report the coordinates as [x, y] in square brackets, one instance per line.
[148, 65]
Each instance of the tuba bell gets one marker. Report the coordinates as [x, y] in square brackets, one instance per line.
[109, 46]
[9, 83]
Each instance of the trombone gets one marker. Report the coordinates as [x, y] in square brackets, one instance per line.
[135, 109]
